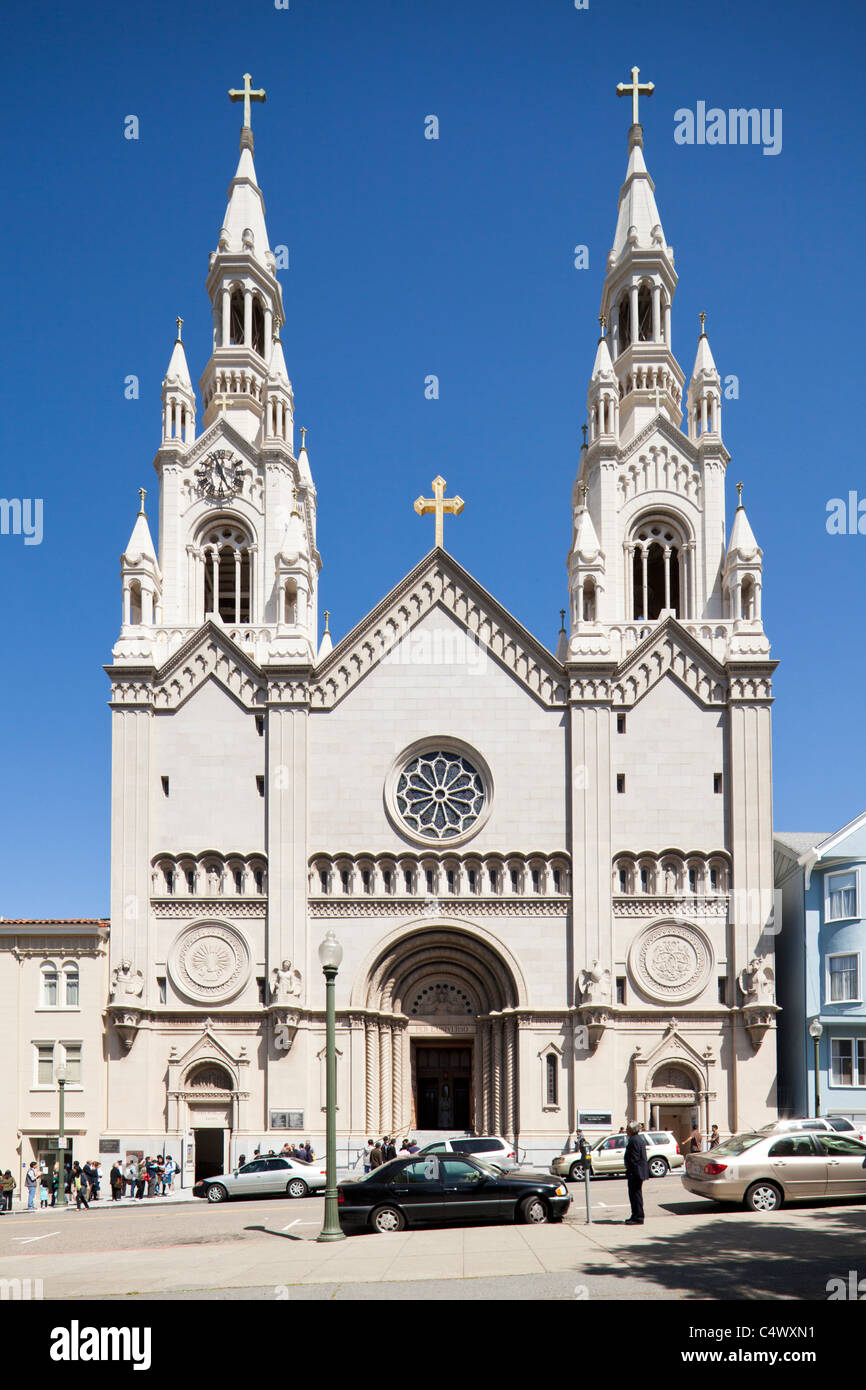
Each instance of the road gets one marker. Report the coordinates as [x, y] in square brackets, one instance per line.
[688, 1249]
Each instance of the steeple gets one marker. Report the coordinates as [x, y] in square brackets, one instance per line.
[246, 299]
[279, 398]
[140, 574]
[742, 580]
[602, 398]
[705, 393]
[178, 398]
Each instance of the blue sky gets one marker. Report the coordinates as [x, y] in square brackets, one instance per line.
[411, 257]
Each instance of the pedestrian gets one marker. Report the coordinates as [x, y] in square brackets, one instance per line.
[79, 1187]
[31, 1182]
[130, 1173]
[55, 1182]
[695, 1141]
[376, 1155]
[242, 1160]
[44, 1186]
[167, 1176]
[413, 1147]
[140, 1180]
[309, 1152]
[365, 1156]
[150, 1172]
[7, 1187]
[637, 1172]
[715, 1137]
[95, 1181]
[86, 1178]
[116, 1183]
[160, 1175]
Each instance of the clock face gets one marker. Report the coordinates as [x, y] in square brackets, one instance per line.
[220, 476]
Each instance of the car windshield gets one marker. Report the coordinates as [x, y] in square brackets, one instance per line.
[738, 1143]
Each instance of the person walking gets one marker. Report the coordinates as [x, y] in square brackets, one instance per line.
[116, 1182]
[44, 1186]
[637, 1172]
[365, 1156]
[167, 1176]
[79, 1187]
[376, 1155]
[715, 1137]
[95, 1181]
[695, 1141]
[31, 1183]
[140, 1180]
[130, 1174]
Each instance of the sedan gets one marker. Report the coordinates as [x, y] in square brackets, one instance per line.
[264, 1177]
[764, 1170]
[446, 1188]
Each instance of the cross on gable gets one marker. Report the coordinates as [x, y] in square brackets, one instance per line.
[439, 504]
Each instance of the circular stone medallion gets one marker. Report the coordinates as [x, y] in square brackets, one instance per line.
[209, 962]
[671, 962]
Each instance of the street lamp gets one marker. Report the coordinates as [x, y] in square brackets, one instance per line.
[330, 956]
[815, 1031]
[61, 1076]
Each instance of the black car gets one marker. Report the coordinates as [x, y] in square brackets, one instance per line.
[446, 1187]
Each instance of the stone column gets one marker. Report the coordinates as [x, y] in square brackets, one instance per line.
[496, 1116]
[397, 1077]
[507, 1052]
[514, 1066]
[371, 1078]
[487, 1079]
[385, 1079]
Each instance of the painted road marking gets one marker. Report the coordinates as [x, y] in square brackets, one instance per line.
[26, 1240]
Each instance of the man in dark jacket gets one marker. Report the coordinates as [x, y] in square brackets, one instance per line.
[636, 1171]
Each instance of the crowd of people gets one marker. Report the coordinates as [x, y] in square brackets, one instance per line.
[145, 1177]
[379, 1151]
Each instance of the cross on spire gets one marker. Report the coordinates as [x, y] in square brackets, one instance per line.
[739, 494]
[179, 322]
[702, 316]
[439, 504]
[246, 95]
[142, 493]
[635, 89]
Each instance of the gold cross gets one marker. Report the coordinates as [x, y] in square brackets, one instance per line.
[246, 95]
[634, 87]
[142, 493]
[179, 323]
[439, 504]
[739, 494]
[303, 436]
[602, 320]
[702, 316]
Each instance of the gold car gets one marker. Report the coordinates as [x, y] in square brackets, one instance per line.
[764, 1170]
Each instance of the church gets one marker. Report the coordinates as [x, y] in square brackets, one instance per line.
[550, 873]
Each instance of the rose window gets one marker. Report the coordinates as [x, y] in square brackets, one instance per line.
[440, 795]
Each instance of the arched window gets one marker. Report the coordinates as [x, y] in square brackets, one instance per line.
[135, 602]
[644, 314]
[236, 317]
[49, 986]
[624, 324]
[290, 608]
[70, 985]
[551, 1089]
[227, 573]
[258, 327]
[747, 597]
[657, 548]
[589, 600]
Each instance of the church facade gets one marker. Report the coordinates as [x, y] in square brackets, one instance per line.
[550, 873]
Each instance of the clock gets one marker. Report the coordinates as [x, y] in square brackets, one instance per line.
[220, 476]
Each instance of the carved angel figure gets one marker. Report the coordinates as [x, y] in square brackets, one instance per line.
[285, 983]
[126, 982]
[594, 984]
[757, 981]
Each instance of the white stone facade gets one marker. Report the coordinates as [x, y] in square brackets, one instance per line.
[575, 944]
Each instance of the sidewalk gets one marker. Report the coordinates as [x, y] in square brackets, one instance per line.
[20, 1207]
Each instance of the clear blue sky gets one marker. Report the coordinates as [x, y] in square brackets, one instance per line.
[411, 257]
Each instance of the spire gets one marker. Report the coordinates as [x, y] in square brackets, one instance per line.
[244, 228]
[705, 392]
[140, 546]
[140, 575]
[279, 401]
[562, 638]
[178, 397]
[327, 643]
[306, 473]
[638, 225]
[742, 544]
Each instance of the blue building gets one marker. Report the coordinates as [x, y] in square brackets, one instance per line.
[821, 887]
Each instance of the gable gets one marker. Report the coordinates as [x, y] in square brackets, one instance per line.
[439, 582]
[670, 651]
[210, 653]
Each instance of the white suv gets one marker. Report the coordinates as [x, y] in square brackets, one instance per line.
[489, 1147]
[608, 1156]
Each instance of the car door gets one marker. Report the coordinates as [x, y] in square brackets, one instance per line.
[846, 1165]
[275, 1176]
[248, 1178]
[468, 1192]
[609, 1156]
[799, 1165]
[416, 1188]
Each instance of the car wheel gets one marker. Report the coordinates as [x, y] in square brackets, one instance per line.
[385, 1220]
[533, 1211]
[297, 1188]
[216, 1192]
[658, 1167]
[763, 1196]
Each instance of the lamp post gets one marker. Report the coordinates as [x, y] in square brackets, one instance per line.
[330, 955]
[815, 1031]
[61, 1075]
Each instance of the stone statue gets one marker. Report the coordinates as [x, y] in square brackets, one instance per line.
[594, 984]
[126, 982]
[757, 981]
[285, 983]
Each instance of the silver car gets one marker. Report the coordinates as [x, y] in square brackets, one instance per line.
[607, 1156]
[764, 1170]
[265, 1177]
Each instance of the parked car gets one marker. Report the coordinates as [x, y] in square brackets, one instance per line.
[764, 1170]
[607, 1156]
[490, 1147]
[446, 1187]
[827, 1124]
[264, 1177]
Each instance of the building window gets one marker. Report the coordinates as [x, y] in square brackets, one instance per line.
[714, 881]
[367, 880]
[693, 880]
[440, 795]
[260, 725]
[323, 880]
[49, 987]
[161, 991]
[620, 723]
[70, 986]
[551, 1093]
[451, 880]
[73, 1063]
[717, 783]
[472, 875]
[841, 900]
[164, 781]
[260, 880]
[169, 881]
[344, 880]
[623, 880]
[226, 565]
[557, 880]
[428, 878]
[843, 975]
[848, 1061]
[493, 878]
[407, 880]
[515, 880]
[388, 880]
[45, 1064]
[261, 986]
[260, 786]
[190, 880]
[239, 882]
[723, 989]
[536, 881]
[620, 781]
[620, 989]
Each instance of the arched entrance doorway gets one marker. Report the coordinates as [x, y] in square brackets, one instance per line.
[209, 1090]
[441, 1036]
[675, 1100]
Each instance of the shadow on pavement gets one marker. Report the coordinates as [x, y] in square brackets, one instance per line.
[286, 1235]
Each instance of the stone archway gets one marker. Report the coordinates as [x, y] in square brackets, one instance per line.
[441, 990]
